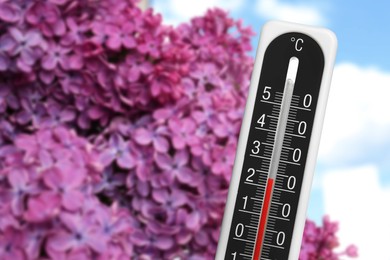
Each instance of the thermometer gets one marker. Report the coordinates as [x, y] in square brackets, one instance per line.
[277, 149]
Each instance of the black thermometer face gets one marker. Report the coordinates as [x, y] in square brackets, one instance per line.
[266, 206]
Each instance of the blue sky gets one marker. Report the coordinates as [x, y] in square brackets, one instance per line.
[362, 29]
[352, 179]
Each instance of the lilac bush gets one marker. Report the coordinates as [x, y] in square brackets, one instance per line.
[321, 242]
[118, 133]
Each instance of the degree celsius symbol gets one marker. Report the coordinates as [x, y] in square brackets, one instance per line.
[298, 43]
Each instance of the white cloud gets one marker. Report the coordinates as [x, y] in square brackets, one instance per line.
[178, 11]
[274, 9]
[355, 198]
[357, 124]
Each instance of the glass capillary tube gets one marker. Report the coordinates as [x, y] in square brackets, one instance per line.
[281, 128]
[276, 152]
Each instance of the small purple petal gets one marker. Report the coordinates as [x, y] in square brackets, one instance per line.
[126, 161]
[9, 12]
[163, 161]
[143, 136]
[178, 143]
[72, 200]
[161, 144]
[163, 242]
[62, 241]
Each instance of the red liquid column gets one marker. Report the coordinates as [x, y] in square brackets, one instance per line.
[263, 219]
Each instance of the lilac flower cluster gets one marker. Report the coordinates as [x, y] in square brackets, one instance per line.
[117, 133]
[320, 242]
[48, 203]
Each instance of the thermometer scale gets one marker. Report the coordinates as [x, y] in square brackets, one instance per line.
[277, 149]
